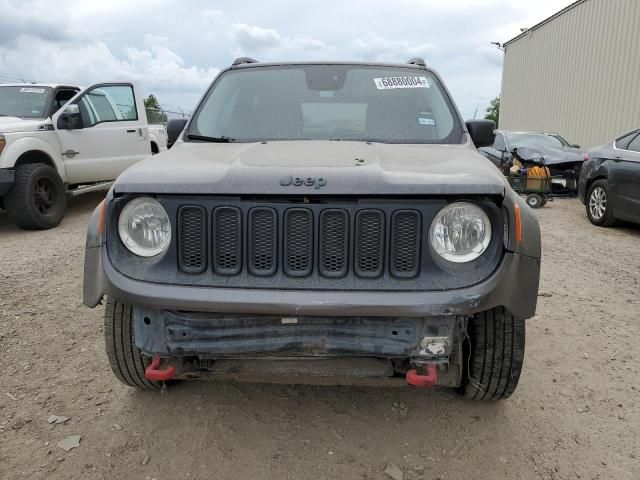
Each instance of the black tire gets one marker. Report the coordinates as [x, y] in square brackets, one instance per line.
[37, 200]
[125, 359]
[606, 219]
[534, 200]
[493, 355]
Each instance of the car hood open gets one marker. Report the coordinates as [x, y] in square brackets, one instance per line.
[314, 168]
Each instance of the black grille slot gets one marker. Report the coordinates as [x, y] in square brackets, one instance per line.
[192, 239]
[227, 240]
[334, 242]
[298, 242]
[263, 236]
[405, 243]
[369, 243]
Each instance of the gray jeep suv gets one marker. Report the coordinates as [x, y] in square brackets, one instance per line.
[323, 223]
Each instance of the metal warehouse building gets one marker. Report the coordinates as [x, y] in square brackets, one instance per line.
[576, 73]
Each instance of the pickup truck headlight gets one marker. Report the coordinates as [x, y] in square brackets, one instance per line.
[3, 142]
[144, 227]
[460, 232]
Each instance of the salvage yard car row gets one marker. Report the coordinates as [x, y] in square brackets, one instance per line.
[606, 178]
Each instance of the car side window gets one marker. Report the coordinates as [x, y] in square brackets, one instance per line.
[499, 144]
[634, 144]
[623, 142]
[110, 103]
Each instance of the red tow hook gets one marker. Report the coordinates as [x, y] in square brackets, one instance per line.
[428, 380]
[153, 373]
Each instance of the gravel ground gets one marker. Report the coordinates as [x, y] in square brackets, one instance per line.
[575, 414]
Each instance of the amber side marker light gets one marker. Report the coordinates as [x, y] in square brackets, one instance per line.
[103, 208]
[518, 224]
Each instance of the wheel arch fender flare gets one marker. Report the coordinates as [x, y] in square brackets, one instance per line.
[94, 284]
[600, 173]
[30, 150]
[531, 244]
[160, 143]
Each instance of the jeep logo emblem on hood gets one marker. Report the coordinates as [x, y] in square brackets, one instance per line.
[317, 182]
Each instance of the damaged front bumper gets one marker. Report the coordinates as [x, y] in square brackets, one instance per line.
[173, 333]
[513, 285]
[283, 349]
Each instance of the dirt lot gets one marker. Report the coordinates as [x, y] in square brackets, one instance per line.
[576, 413]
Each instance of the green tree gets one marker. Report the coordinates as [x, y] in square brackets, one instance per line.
[493, 111]
[154, 110]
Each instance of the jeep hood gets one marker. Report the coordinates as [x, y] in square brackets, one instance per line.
[346, 168]
[17, 124]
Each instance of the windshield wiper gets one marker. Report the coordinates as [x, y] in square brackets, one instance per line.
[204, 138]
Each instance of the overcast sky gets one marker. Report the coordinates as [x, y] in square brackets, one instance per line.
[174, 49]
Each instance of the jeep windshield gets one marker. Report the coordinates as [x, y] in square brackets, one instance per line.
[24, 101]
[326, 102]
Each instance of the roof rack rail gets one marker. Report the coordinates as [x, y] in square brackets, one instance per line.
[242, 60]
[417, 61]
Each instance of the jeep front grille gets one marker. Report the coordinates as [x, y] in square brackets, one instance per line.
[322, 243]
[334, 243]
[298, 241]
[405, 243]
[263, 241]
[192, 225]
[369, 243]
[227, 248]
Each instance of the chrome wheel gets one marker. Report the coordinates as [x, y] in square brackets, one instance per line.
[598, 203]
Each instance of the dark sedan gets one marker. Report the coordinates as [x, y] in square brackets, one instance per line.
[610, 181]
[563, 159]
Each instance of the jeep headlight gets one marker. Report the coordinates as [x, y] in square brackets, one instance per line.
[144, 227]
[460, 232]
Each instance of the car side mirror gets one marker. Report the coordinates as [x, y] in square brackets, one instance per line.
[481, 132]
[174, 129]
[70, 118]
[575, 145]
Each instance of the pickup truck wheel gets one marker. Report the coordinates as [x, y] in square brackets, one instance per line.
[493, 356]
[37, 200]
[598, 205]
[125, 359]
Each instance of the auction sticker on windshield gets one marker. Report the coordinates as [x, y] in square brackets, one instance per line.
[32, 90]
[401, 82]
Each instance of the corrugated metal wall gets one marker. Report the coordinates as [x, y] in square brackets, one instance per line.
[577, 75]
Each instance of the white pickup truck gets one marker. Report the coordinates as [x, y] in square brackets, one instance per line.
[60, 140]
